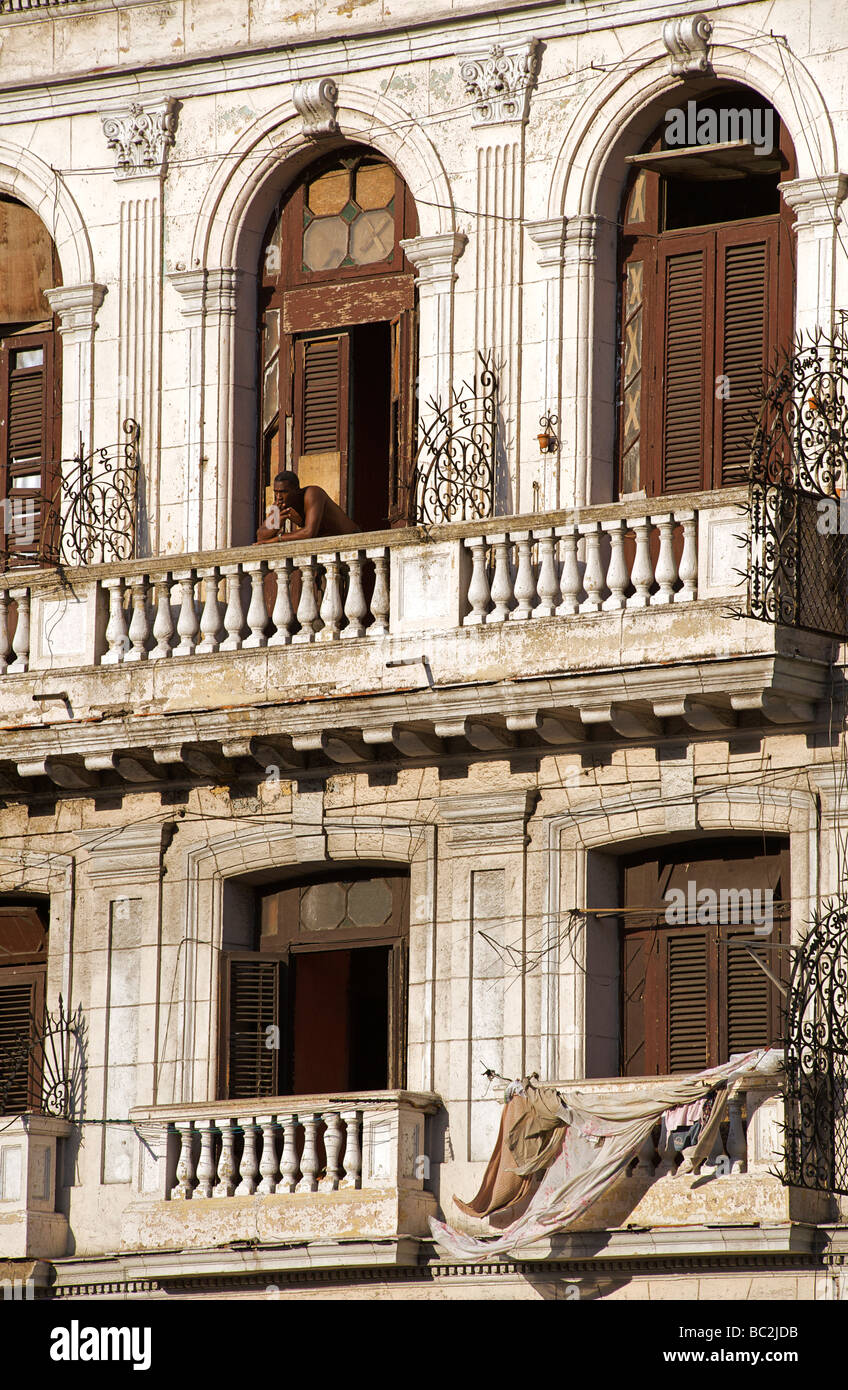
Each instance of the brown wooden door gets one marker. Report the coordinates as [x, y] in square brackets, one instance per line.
[692, 996]
[321, 413]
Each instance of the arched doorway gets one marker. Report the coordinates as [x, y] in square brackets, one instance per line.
[30, 388]
[337, 337]
[706, 289]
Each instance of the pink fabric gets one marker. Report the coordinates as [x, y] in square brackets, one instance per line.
[682, 1116]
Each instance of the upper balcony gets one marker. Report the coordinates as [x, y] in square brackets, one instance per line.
[618, 622]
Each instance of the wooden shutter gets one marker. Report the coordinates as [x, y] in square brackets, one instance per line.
[687, 969]
[685, 282]
[746, 311]
[28, 391]
[21, 1007]
[321, 413]
[403, 424]
[251, 1006]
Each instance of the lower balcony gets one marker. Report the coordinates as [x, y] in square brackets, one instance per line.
[30, 1225]
[283, 1170]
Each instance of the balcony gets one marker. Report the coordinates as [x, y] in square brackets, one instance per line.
[29, 1221]
[302, 1168]
[478, 638]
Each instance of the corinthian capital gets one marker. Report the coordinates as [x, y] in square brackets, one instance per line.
[499, 82]
[140, 136]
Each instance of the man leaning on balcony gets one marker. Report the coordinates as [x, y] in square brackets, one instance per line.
[311, 510]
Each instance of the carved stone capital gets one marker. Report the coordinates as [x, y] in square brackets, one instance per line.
[815, 202]
[549, 236]
[191, 287]
[222, 287]
[500, 82]
[435, 258]
[317, 103]
[76, 308]
[140, 136]
[687, 40]
[581, 235]
[127, 854]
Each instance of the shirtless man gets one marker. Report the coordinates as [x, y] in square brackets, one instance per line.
[313, 512]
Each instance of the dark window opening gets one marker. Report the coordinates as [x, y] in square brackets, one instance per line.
[692, 996]
[313, 992]
[23, 971]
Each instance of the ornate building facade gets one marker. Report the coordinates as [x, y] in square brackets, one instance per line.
[305, 845]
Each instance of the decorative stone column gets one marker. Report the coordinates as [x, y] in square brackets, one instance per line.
[549, 238]
[499, 83]
[435, 258]
[815, 203]
[589, 331]
[76, 307]
[140, 137]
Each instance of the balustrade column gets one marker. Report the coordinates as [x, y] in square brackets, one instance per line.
[5, 645]
[307, 609]
[116, 628]
[501, 581]
[666, 570]
[227, 1161]
[139, 626]
[163, 623]
[283, 614]
[617, 576]
[257, 615]
[647, 1156]
[234, 614]
[525, 582]
[737, 1148]
[309, 1163]
[593, 575]
[548, 584]
[689, 558]
[268, 1163]
[570, 583]
[478, 588]
[332, 1147]
[210, 618]
[353, 1149]
[642, 573]
[206, 1162]
[380, 600]
[187, 625]
[289, 1166]
[185, 1164]
[356, 608]
[20, 641]
[331, 604]
[249, 1170]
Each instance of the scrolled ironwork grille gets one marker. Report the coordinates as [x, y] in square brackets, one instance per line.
[454, 475]
[816, 1057]
[97, 503]
[58, 1047]
[798, 571]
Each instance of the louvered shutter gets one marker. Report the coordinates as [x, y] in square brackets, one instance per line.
[685, 280]
[27, 451]
[21, 1005]
[321, 410]
[687, 973]
[748, 994]
[252, 1002]
[402, 425]
[634, 969]
[745, 321]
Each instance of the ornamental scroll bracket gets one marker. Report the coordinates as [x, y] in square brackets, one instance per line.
[316, 103]
[687, 40]
[500, 82]
[140, 137]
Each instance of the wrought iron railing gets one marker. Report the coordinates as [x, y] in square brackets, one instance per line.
[454, 475]
[94, 512]
[53, 1051]
[798, 572]
[816, 1057]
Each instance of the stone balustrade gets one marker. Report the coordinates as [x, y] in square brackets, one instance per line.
[390, 584]
[365, 1155]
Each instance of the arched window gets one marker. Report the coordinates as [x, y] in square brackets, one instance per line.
[706, 291]
[30, 389]
[313, 986]
[23, 969]
[695, 915]
[337, 340]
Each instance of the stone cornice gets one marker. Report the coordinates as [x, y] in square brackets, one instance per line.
[549, 236]
[816, 200]
[131, 854]
[434, 258]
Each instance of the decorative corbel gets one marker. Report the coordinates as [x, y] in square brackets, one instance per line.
[687, 41]
[317, 103]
